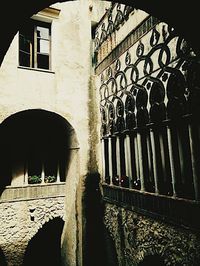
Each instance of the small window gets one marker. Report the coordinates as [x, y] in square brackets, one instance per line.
[35, 45]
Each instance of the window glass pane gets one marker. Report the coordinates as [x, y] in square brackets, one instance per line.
[42, 32]
[24, 43]
[42, 46]
[43, 61]
[24, 59]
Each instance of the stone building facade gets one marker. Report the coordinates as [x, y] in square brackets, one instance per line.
[45, 130]
[21, 220]
[104, 92]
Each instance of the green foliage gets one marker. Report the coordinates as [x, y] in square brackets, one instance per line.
[50, 179]
[34, 179]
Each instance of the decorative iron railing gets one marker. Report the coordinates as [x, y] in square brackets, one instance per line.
[114, 18]
[149, 104]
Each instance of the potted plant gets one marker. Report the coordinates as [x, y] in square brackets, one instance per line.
[50, 179]
[34, 179]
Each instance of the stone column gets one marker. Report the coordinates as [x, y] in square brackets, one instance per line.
[42, 174]
[155, 161]
[26, 176]
[128, 159]
[195, 161]
[171, 158]
[141, 160]
[137, 166]
[110, 160]
[58, 174]
[103, 160]
[118, 157]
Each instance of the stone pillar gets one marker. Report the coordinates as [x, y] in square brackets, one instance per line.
[155, 161]
[195, 161]
[26, 176]
[171, 158]
[42, 174]
[118, 157]
[141, 161]
[103, 159]
[137, 166]
[110, 160]
[128, 159]
[58, 174]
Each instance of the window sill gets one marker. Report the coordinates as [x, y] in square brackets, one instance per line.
[22, 193]
[36, 69]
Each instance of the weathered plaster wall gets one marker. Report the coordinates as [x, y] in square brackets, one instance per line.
[17, 227]
[136, 236]
[65, 90]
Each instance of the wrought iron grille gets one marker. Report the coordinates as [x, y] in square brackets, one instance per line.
[149, 104]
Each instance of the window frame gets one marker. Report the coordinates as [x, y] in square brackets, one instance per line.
[34, 45]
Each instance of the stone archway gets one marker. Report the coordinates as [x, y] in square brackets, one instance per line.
[32, 139]
[45, 247]
[28, 213]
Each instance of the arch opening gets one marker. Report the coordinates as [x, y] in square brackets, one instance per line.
[45, 247]
[155, 260]
[36, 147]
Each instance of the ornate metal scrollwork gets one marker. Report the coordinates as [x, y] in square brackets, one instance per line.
[110, 28]
[154, 85]
[128, 58]
[140, 49]
[157, 95]
[116, 16]
[129, 111]
[119, 17]
[176, 86]
[154, 37]
[120, 123]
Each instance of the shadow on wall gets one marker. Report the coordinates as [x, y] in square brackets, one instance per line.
[154, 260]
[100, 248]
[2, 258]
[45, 247]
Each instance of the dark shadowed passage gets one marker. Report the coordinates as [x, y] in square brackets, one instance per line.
[45, 247]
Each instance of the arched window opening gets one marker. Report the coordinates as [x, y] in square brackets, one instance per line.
[36, 148]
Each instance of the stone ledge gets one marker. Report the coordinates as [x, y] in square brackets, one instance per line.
[177, 211]
[32, 192]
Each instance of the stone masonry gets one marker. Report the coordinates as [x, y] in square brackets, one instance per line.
[21, 220]
[136, 236]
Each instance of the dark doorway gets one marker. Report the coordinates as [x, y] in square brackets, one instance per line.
[152, 260]
[2, 258]
[45, 247]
